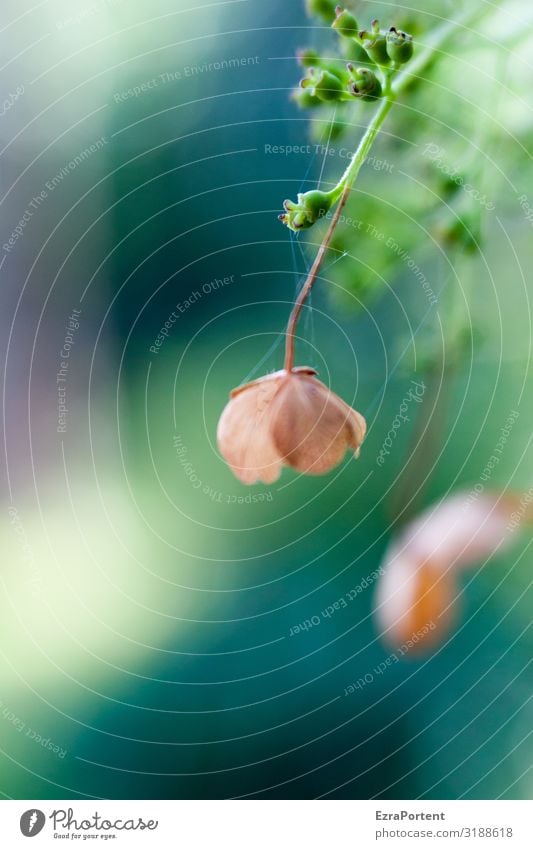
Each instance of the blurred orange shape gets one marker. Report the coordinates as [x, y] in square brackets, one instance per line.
[417, 592]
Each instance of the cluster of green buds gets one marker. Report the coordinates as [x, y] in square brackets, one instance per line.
[382, 47]
[327, 81]
[376, 56]
[310, 208]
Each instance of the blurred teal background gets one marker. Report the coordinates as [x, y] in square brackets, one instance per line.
[148, 597]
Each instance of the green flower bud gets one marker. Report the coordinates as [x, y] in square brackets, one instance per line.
[310, 208]
[308, 57]
[399, 45]
[449, 185]
[375, 44]
[461, 230]
[353, 52]
[344, 23]
[305, 99]
[364, 84]
[321, 8]
[324, 85]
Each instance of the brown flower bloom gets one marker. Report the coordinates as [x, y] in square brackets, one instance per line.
[286, 418]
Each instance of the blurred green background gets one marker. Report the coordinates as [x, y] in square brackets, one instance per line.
[147, 596]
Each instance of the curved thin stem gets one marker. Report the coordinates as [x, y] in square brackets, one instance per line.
[311, 278]
[392, 88]
[343, 188]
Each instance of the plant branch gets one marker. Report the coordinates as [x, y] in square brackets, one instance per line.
[311, 278]
[393, 86]
[342, 190]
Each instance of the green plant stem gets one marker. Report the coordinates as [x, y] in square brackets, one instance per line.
[340, 193]
[393, 87]
[350, 175]
[310, 280]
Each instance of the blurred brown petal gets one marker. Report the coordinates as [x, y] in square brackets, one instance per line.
[415, 605]
[418, 588]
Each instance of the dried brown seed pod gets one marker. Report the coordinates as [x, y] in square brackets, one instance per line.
[287, 418]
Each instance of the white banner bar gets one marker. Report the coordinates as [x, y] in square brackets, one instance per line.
[268, 824]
